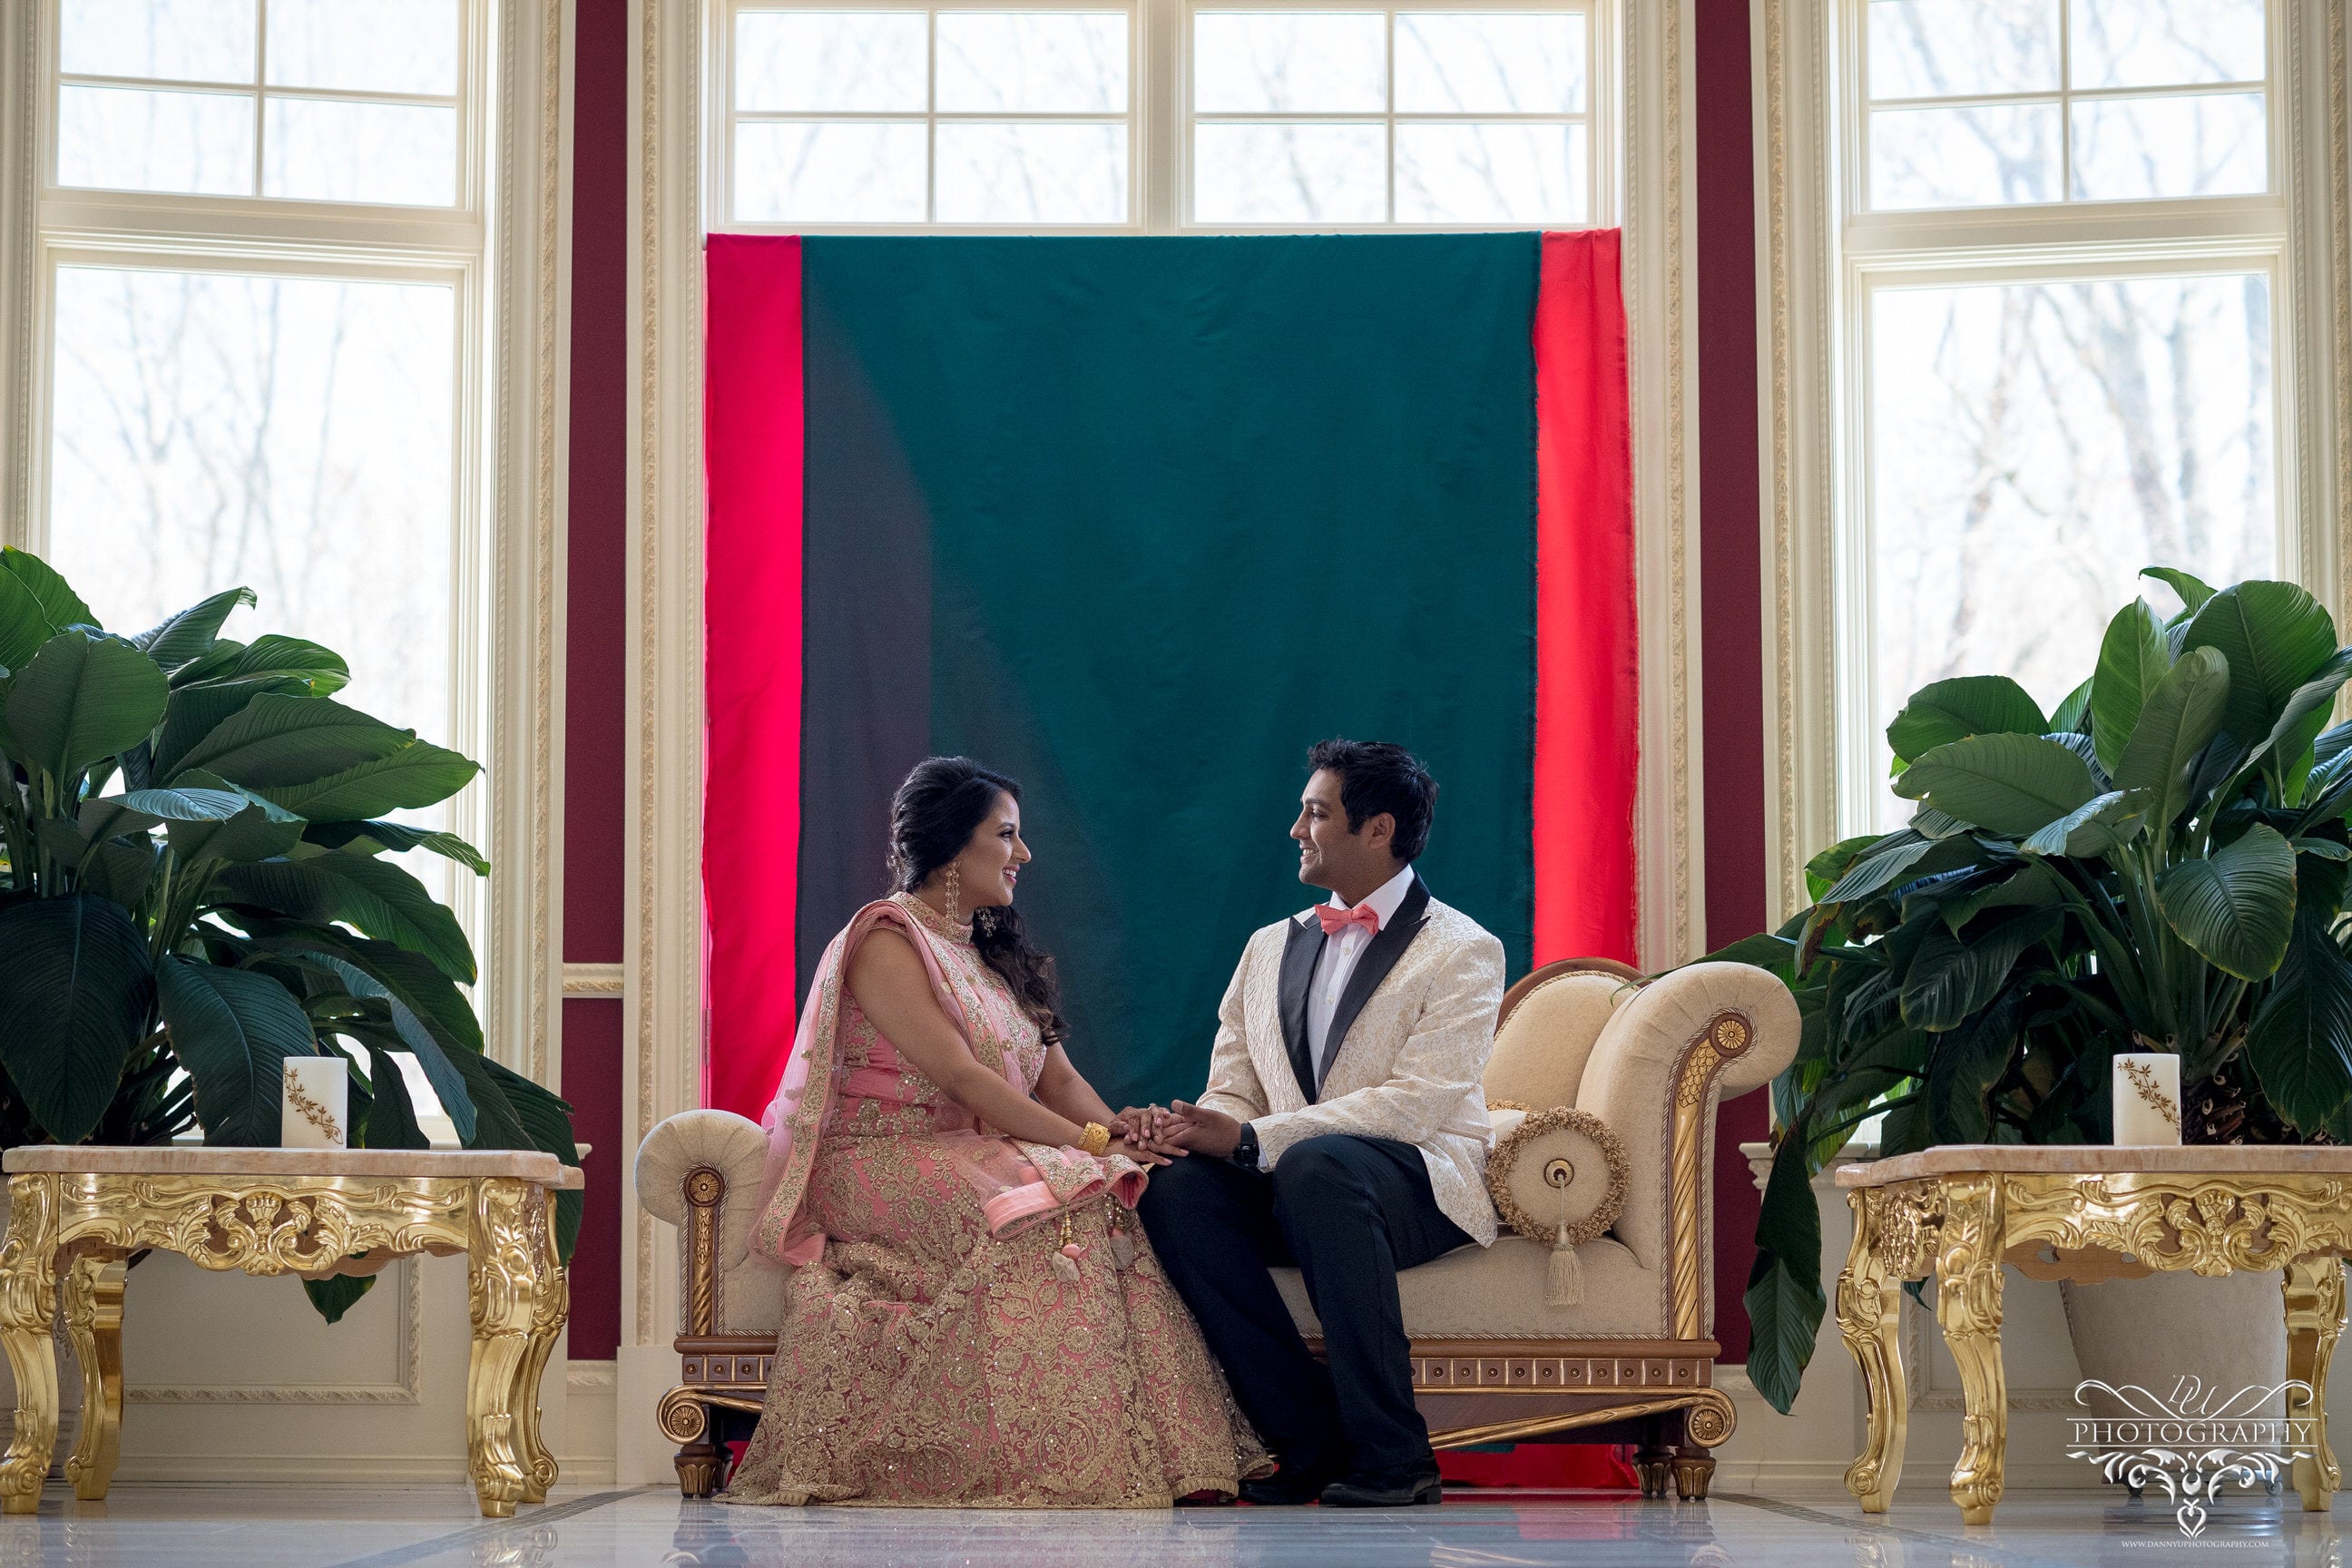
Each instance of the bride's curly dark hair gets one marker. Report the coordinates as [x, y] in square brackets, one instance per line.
[932, 817]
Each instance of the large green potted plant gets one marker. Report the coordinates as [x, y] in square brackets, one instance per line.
[197, 881]
[2158, 865]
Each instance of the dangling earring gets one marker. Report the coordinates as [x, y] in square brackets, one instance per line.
[953, 881]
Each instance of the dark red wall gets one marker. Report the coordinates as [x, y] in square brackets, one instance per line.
[594, 868]
[596, 676]
[1730, 596]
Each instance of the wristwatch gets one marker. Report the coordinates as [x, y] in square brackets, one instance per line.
[1245, 1149]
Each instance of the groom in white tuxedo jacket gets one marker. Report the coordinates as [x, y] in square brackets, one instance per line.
[1346, 1127]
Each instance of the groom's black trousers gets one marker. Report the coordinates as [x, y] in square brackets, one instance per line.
[1349, 1211]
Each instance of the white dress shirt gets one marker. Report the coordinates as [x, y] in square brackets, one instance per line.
[1337, 961]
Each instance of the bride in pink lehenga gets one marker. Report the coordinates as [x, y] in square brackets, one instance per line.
[974, 1317]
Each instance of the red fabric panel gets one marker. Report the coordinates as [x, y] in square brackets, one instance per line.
[1587, 700]
[752, 414]
[1542, 1467]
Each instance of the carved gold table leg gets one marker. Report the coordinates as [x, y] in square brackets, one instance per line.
[503, 1287]
[2314, 1288]
[1967, 1305]
[1869, 1302]
[551, 1307]
[28, 1305]
[92, 1283]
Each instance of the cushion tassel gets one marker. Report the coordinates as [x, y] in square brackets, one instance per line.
[1564, 1285]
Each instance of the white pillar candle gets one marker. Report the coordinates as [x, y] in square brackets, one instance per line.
[2147, 1098]
[315, 1112]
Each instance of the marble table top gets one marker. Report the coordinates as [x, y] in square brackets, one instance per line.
[168, 1160]
[2100, 1159]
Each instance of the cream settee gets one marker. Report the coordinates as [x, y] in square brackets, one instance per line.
[1508, 1344]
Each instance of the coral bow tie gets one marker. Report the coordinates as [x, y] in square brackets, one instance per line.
[1336, 921]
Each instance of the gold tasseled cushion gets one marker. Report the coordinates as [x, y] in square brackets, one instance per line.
[1556, 1167]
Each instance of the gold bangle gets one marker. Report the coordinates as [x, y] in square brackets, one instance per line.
[1095, 1139]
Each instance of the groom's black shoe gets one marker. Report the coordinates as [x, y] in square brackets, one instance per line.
[1386, 1489]
[1293, 1485]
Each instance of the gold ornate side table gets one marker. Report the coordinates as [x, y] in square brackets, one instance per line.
[2084, 1214]
[75, 1215]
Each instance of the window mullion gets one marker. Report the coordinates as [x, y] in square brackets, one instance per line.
[260, 87]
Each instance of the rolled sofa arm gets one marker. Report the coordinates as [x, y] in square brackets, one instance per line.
[1692, 1036]
[700, 1170]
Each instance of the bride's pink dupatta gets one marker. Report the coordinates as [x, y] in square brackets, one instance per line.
[1017, 1181]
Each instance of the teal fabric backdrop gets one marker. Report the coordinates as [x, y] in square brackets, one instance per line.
[1137, 520]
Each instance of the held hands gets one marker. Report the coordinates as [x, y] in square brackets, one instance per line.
[1203, 1131]
[1143, 1134]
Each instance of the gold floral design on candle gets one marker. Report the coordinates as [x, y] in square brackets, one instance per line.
[2144, 1084]
[316, 1114]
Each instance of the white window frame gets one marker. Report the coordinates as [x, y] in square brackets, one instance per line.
[1161, 116]
[1824, 253]
[500, 249]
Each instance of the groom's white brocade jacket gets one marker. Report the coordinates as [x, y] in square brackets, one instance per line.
[1411, 1066]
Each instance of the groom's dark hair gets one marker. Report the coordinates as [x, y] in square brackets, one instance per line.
[1374, 777]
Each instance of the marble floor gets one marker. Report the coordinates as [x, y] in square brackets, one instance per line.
[427, 1527]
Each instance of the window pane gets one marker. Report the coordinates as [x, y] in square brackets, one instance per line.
[1255, 62]
[1490, 174]
[1460, 63]
[857, 60]
[1941, 48]
[2210, 145]
[1985, 155]
[2034, 445]
[125, 139]
[867, 171]
[1289, 173]
[187, 40]
[323, 151]
[385, 46]
[289, 433]
[1032, 173]
[2159, 43]
[1033, 63]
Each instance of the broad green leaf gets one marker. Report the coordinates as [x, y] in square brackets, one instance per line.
[75, 991]
[184, 805]
[1948, 710]
[321, 672]
[276, 741]
[1929, 823]
[2326, 848]
[391, 1115]
[258, 830]
[374, 895]
[2133, 660]
[419, 774]
[2193, 590]
[376, 838]
[60, 603]
[2097, 827]
[2007, 783]
[338, 1294]
[24, 625]
[196, 712]
[496, 1125]
[2299, 1042]
[233, 1030]
[546, 1117]
[1823, 870]
[123, 872]
[84, 696]
[2275, 637]
[2236, 906]
[1869, 873]
[1784, 1316]
[2180, 717]
[2074, 712]
[2034, 886]
[1972, 1059]
[2292, 738]
[190, 633]
[1951, 977]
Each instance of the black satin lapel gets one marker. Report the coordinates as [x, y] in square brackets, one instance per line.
[1374, 967]
[1299, 947]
